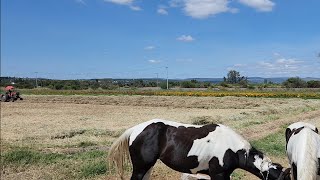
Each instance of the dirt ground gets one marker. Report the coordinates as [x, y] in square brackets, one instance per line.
[37, 120]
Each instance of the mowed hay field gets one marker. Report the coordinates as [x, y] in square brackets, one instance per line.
[68, 137]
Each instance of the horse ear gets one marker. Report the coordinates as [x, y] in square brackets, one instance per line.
[288, 134]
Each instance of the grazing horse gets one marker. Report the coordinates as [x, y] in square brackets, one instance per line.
[303, 150]
[214, 150]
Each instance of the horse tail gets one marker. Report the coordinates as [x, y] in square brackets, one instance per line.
[309, 165]
[119, 152]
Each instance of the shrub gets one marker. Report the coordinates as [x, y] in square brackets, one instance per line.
[313, 84]
[295, 83]
[188, 84]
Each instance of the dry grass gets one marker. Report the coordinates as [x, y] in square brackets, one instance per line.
[76, 125]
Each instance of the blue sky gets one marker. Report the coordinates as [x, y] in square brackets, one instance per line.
[66, 39]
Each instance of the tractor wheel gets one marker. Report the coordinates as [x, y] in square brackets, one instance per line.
[5, 98]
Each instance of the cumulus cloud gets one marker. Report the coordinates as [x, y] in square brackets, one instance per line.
[288, 67]
[148, 48]
[205, 8]
[282, 66]
[201, 9]
[153, 61]
[185, 38]
[162, 11]
[260, 5]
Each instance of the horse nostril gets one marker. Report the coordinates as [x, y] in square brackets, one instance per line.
[208, 141]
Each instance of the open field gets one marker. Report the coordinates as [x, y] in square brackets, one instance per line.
[67, 137]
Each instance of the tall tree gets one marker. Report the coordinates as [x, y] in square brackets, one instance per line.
[233, 77]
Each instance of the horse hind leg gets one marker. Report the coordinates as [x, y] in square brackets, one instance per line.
[148, 174]
[142, 173]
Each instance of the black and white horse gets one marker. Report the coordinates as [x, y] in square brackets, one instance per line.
[303, 150]
[215, 150]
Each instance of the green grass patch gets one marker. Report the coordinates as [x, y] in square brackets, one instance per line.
[238, 175]
[273, 144]
[23, 156]
[93, 169]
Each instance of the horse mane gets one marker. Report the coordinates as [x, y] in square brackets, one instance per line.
[308, 167]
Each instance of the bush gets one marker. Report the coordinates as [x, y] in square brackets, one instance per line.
[295, 83]
[224, 84]
[188, 84]
[313, 84]
[251, 86]
[163, 85]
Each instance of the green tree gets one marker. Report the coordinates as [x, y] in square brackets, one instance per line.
[295, 82]
[234, 77]
[313, 84]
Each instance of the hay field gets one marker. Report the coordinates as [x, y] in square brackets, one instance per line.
[67, 137]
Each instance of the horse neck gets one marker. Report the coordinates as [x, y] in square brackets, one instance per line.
[260, 165]
[247, 162]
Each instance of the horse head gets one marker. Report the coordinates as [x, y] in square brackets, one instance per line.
[264, 168]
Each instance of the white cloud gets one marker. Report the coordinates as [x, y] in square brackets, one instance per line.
[162, 11]
[204, 8]
[135, 8]
[81, 2]
[280, 67]
[260, 5]
[149, 47]
[185, 38]
[122, 2]
[127, 3]
[154, 61]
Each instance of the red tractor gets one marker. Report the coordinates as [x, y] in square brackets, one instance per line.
[10, 94]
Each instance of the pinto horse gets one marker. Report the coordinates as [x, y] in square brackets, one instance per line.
[214, 150]
[303, 150]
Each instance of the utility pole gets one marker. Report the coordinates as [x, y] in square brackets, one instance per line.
[167, 78]
[157, 78]
[36, 79]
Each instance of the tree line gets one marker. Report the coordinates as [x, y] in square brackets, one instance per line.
[233, 79]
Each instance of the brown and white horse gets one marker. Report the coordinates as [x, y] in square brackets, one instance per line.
[303, 150]
[214, 150]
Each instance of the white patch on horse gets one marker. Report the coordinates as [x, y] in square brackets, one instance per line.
[303, 149]
[263, 164]
[215, 144]
[140, 127]
[298, 125]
